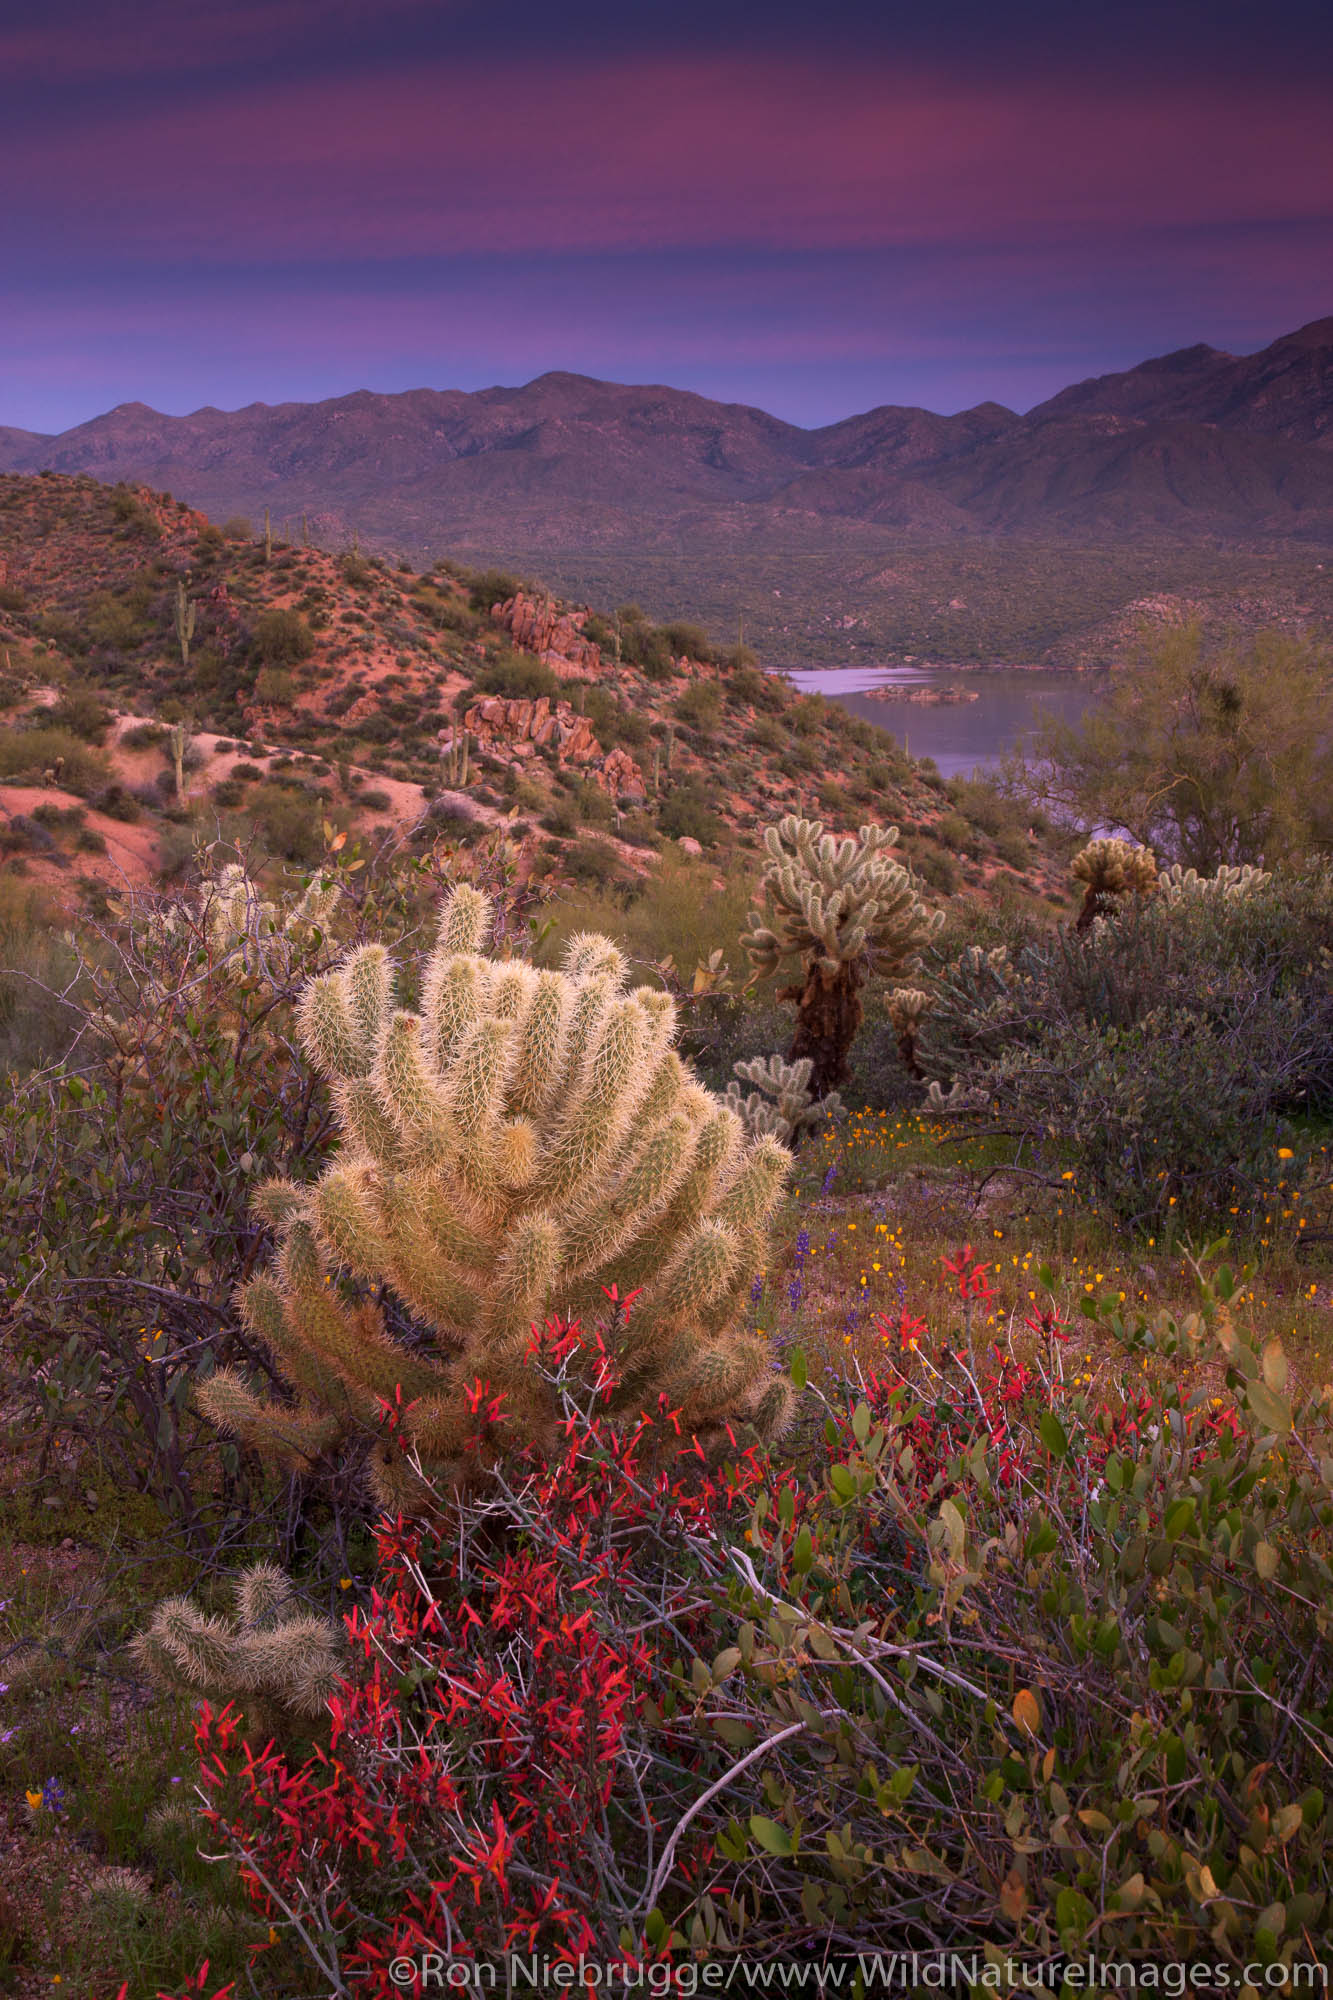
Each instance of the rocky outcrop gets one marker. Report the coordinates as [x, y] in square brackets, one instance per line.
[555, 636]
[515, 730]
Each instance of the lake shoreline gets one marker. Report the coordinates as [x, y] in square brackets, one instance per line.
[962, 720]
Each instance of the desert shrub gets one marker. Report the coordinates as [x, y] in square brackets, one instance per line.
[549, 1733]
[144, 736]
[238, 528]
[934, 867]
[81, 711]
[1015, 849]
[275, 687]
[1210, 751]
[676, 911]
[26, 754]
[592, 861]
[1012, 1662]
[491, 587]
[227, 794]
[686, 812]
[1172, 1047]
[517, 675]
[954, 832]
[13, 598]
[644, 646]
[116, 624]
[36, 967]
[290, 822]
[561, 818]
[700, 705]
[612, 720]
[808, 714]
[282, 638]
[687, 641]
[373, 799]
[117, 801]
[125, 1183]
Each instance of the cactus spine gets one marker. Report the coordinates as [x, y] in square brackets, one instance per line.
[846, 909]
[185, 616]
[1110, 868]
[525, 1140]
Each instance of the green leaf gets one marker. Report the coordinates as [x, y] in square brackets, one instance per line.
[1179, 1517]
[861, 1422]
[771, 1836]
[1266, 1560]
[798, 1368]
[1053, 1434]
[1273, 1412]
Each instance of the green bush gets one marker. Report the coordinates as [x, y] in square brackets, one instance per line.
[491, 587]
[282, 638]
[290, 822]
[1171, 1048]
[25, 754]
[518, 676]
[685, 811]
[700, 706]
[686, 641]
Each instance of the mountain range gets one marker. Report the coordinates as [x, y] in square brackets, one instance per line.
[1198, 450]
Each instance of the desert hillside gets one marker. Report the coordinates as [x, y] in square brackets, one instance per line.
[318, 693]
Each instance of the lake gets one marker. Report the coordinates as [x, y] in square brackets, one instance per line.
[961, 736]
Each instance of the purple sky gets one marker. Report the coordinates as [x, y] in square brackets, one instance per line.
[854, 205]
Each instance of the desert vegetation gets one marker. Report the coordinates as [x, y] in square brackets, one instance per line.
[740, 1398]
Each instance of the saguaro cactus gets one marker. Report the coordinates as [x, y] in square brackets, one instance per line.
[1109, 868]
[847, 910]
[525, 1140]
[185, 617]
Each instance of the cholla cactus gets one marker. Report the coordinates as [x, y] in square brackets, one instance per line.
[524, 1141]
[277, 1663]
[1178, 882]
[907, 1009]
[847, 910]
[238, 917]
[1109, 868]
[782, 1104]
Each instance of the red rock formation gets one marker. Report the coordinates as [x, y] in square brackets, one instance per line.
[556, 637]
[517, 729]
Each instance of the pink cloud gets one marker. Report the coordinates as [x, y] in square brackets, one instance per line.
[668, 154]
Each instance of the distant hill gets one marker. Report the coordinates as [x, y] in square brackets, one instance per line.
[723, 508]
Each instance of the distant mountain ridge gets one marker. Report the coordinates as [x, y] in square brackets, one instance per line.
[573, 475]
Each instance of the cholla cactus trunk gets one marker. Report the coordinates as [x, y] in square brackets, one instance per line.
[846, 910]
[829, 1011]
[526, 1140]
